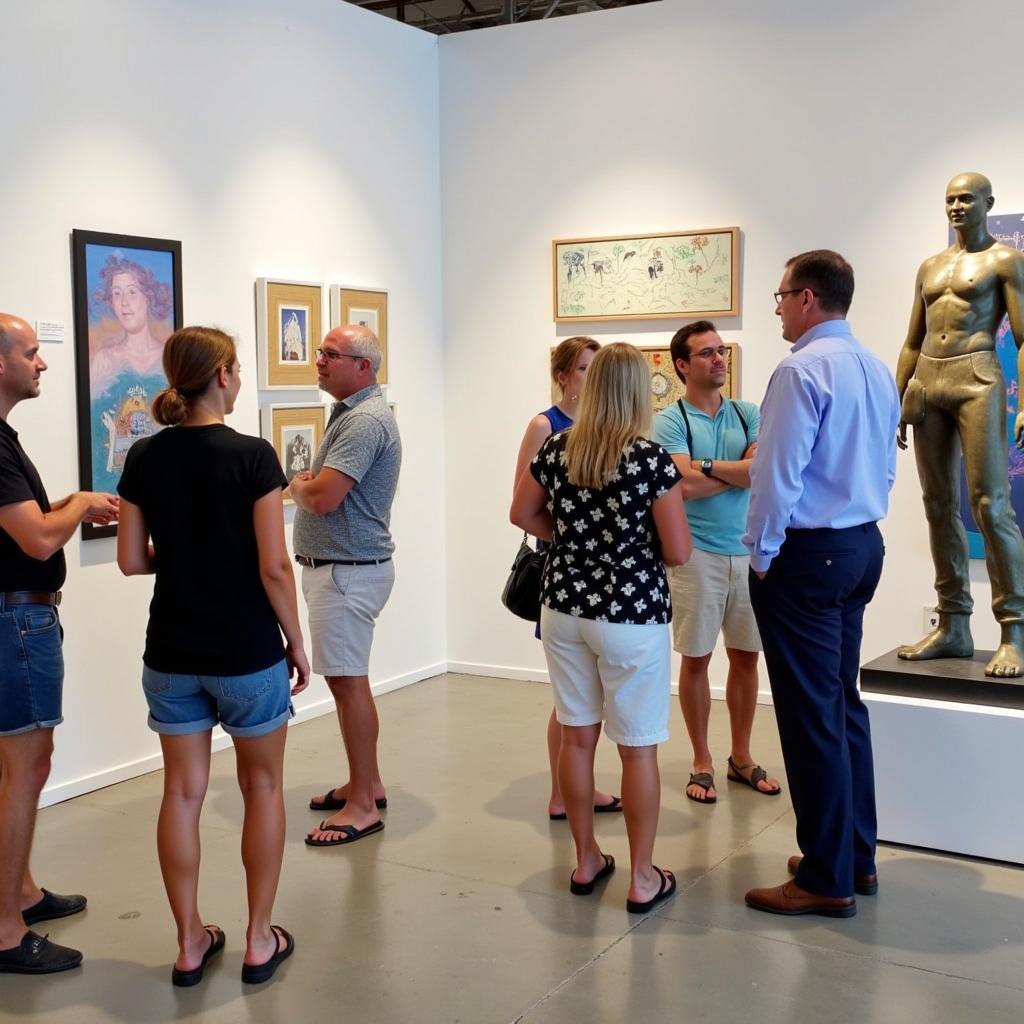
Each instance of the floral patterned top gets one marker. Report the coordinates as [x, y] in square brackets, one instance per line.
[603, 562]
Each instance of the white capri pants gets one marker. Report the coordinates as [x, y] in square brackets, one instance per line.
[610, 671]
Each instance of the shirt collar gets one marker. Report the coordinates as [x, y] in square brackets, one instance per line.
[360, 396]
[826, 329]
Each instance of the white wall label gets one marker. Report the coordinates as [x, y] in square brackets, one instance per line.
[50, 330]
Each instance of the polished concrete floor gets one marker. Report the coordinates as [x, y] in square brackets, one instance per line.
[460, 910]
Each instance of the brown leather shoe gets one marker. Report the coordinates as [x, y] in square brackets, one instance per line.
[790, 899]
[863, 885]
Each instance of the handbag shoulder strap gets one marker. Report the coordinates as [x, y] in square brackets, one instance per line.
[689, 431]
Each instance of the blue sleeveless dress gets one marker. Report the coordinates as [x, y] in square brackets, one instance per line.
[559, 422]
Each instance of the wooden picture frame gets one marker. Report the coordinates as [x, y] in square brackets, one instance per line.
[295, 432]
[363, 306]
[666, 387]
[289, 327]
[647, 277]
[127, 302]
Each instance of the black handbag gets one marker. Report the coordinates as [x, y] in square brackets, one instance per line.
[521, 595]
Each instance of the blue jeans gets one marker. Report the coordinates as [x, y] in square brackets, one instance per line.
[250, 705]
[31, 668]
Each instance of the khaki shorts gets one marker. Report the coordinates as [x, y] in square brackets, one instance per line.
[344, 602]
[710, 595]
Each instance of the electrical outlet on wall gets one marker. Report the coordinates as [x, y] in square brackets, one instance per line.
[931, 617]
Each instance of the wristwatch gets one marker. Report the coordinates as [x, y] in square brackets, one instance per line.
[705, 467]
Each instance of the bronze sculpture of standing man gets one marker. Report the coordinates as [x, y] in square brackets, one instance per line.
[954, 396]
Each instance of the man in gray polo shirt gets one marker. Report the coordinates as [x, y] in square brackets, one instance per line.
[342, 539]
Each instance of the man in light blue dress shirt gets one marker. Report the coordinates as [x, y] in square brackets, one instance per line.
[825, 463]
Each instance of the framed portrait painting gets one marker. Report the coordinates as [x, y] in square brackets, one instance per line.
[295, 431]
[127, 300]
[365, 307]
[647, 277]
[288, 331]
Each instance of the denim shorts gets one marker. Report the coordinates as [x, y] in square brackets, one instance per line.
[31, 668]
[245, 706]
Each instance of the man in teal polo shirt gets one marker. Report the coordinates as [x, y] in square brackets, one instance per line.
[712, 441]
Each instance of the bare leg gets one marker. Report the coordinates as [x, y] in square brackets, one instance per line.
[576, 779]
[741, 699]
[555, 804]
[695, 700]
[360, 728]
[186, 777]
[641, 803]
[24, 769]
[336, 683]
[260, 762]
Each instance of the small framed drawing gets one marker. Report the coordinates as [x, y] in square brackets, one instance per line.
[295, 431]
[365, 307]
[666, 387]
[647, 277]
[288, 331]
[127, 293]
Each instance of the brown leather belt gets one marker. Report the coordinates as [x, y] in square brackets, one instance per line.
[31, 597]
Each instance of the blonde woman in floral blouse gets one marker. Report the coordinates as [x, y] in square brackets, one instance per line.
[610, 503]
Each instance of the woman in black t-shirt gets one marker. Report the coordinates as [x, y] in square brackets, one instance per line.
[210, 499]
[610, 503]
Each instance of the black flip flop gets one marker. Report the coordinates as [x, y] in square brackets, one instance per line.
[586, 888]
[662, 894]
[350, 832]
[336, 803]
[256, 974]
[610, 808]
[186, 979]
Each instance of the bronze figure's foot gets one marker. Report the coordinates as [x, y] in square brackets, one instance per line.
[1008, 661]
[950, 639]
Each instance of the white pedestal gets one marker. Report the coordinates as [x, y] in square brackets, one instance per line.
[949, 776]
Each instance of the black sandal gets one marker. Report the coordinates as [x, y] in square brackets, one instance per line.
[758, 774]
[186, 979]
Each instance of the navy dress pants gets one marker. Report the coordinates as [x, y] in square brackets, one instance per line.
[810, 613]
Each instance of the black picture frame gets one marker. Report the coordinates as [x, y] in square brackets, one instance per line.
[127, 301]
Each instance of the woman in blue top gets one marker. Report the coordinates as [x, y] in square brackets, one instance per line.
[569, 362]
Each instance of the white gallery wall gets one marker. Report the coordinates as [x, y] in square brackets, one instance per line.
[807, 124]
[288, 140]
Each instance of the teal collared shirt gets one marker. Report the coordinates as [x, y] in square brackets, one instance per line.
[716, 523]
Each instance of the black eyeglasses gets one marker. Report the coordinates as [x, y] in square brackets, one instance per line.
[326, 353]
[790, 291]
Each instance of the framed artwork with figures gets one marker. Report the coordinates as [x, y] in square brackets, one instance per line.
[295, 431]
[366, 307]
[288, 331]
[127, 302]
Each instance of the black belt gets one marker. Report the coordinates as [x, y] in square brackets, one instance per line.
[31, 597]
[315, 563]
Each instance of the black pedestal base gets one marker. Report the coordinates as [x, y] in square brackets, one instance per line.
[960, 680]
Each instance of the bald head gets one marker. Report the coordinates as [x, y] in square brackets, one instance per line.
[12, 327]
[358, 340]
[971, 181]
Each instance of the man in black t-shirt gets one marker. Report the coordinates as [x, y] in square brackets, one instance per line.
[32, 535]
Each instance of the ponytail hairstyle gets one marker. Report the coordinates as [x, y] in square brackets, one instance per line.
[192, 357]
[565, 356]
[614, 411]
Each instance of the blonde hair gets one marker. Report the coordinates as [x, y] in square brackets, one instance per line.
[192, 357]
[565, 356]
[614, 411]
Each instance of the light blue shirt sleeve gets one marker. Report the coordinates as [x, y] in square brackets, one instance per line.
[791, 419]
[753, 421]
[669, 431]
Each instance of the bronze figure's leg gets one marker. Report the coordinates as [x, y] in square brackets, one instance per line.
[937, 450]
[983, 431]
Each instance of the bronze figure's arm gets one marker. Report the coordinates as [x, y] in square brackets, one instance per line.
[907, 362]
